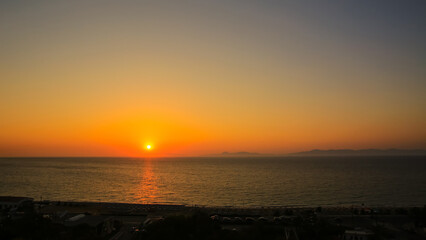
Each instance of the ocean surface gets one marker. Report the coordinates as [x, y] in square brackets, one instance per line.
[239, 182]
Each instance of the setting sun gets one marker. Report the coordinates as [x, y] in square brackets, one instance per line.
[302, 119]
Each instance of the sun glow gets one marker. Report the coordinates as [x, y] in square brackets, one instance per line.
[148, 147]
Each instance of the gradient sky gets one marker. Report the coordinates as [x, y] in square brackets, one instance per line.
[105, 78]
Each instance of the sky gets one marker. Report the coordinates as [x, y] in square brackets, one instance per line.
[108, 78]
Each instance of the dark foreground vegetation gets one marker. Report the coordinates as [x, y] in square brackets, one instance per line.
[197, 223]
[33, 226]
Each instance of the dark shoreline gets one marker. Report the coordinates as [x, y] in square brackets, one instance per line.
[111, 208]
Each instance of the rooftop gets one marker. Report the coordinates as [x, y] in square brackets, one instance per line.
[359, 232]
[92, 221]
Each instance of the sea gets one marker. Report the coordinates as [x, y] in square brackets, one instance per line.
[224, 182]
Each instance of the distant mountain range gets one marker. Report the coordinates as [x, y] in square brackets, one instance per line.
[237, 154]
[362, 152]
[331, 152]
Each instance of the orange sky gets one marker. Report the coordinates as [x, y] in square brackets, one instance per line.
[83, 79]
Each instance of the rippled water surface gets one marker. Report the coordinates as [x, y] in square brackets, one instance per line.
[312, 181]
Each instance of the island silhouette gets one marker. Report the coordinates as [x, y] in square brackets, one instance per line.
[329, 152]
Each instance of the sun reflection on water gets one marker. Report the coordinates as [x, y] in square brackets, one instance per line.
[147, 191]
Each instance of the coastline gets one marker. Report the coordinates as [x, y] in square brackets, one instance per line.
[134, 209]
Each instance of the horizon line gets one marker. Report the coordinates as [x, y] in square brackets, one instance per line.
[233, 154]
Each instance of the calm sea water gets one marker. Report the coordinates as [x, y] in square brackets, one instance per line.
[286, 181]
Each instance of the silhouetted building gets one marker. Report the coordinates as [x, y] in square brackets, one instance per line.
[101, 225]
